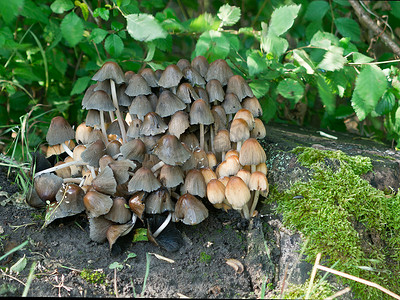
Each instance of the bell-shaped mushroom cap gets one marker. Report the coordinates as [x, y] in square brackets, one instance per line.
[231, 103]
[47, 186]
[150, 141]
[113, 148]
[183, 63]
[215, 91]
[259, 132]
[120, 169]
[193, 76]
[103, 86]
[190, 210]
[208, 174]
[200, 113]
[143, 180]
[222, 142]
[69, 202]
[134, 129]
[171, 176]
[246, 115]
[134, 150]
[100, 100]
[190, 140]
[170, 150]
[137, 86]
[168, 104]
[194, 184]
[245, 175]
[159, 201]
[232, 152]
[59, 131]
[179, 123]
[262, 168]
[239, 87]
[186, 92]
[239, 131]
[237, 193]
[93, 153]
[64, 172]
[136, 203]
[215, 191]
[220, 70]
[128, 75]
[117, 230]
[82, 133]
[115, 129]
[220, 120]
[119, 213]
[202, 93]
[89, 91]
[251, 153]
[201, 158]
[170, 77]
[253, 105]
[230, 166]
[150, 77]
[97, 204]
[258, 182]
[152, 124]
[123, 98]
[104, 161]
[98, 229]
[140, 106]
[110, 70]
[200, 64]
[93, 118]
[105, 182]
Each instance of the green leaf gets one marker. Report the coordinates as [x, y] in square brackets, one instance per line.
[80, 85]
[84, 8]
[386, 104]
[60, 6]
[269, 108]
[19, 266]
[257, 63]
[326, 94]
[274, 44]
[203, 23]
[116, 265]
[302, 58]
[348, 27]
[144, 27]
[283, 18]
[34, 12]
[114, 45]
[72, 29]
[324, 40]
[291, 89]
[371, 83]
[229, 15]
[140, 235]
[333, 59]
[98, 35]
[102, 12]
[213, 45]
[150, 53]
[397, 119]
[361, 58]
[10, 9]
[316, 10]
[259, 87]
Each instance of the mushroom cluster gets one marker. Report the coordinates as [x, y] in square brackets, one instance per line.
[156, 145]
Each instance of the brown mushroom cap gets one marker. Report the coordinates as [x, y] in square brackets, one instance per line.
[134, 129]
[168, 104]
[136, 203]
[134, 150]
[239, 130]
[100, 100]
[140, 106]
[186, 92]
[119, 213]
[98, 227]
[237, 193]
[159, 201]
[220, 70]
[193, 76]
[215, 191]
[245, 175]
[143, 180]
[152, 125]
[251, 153]
[110, 70]
[208, 174]
[246, 115]
[179, 123]
[120, 169]
[222, 142]
[200, 113]
[59, 131]
[253, 105]
[97, 204]
[238, 86]
[171, 176]
[190, 210]
[150, 77]
[170, 77]
[194, 184]
[47, 186]
[82, 133]
[171, 151]
[259, 132]
[200, 64]
[93, 153]
[231, 103]
[105, 182]
[258, 182]
[183, 63]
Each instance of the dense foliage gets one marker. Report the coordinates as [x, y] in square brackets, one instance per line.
[308, 62]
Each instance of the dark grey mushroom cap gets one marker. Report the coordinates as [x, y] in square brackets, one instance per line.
[168, 104]
[171, 151]
[59, 131]
[200, 113]
[100, 100]
[219, 69]
[137, 86]
[170, 77]
[110, 70]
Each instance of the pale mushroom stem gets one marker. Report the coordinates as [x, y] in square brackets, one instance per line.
[103, 128]
[202, 136]
[64, 165]
[254, 204]
[238, 145]
[72, 180]
[157, 166]
[65, 147]
[245, 211]
[223, 155]
[212, 139]
[118, 112]
[92, 171]
[163, 225]
[111, 114]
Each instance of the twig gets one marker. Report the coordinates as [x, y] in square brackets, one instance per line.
[313, 273]
[340, 293]
[12, 277]
[115, 283]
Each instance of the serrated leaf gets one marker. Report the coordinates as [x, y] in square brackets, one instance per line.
[386, 103]
[290, 89]
[348, 27]
[102, 12]
[302, 58]
[114, 45]
[283, 18]
[229, 15]
[361, 58]
[256, 63]
[144, 27]
[333, 59]
[326, 95]
[204, 22]
[269, 108]
[80, 85]
[274, 44]
[84, 9]
[61, 6]
[324, 40]
[371, 83]
[72, 29]
[98, 35]
[213, 45]
[316, 10]
[259, 87]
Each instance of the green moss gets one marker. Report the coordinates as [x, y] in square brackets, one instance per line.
[205, 258]
[321, 290]
[94, 277]
[346, 219]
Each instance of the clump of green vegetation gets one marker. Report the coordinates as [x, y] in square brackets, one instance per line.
[346, 219]
[205, 258]
[95, 277]
[321, 290]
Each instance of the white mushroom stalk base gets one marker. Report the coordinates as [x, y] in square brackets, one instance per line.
[163, 225]
[69, 152]
[64, 165]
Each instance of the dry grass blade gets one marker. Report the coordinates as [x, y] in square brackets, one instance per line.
[340, 293]
[171, 261]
